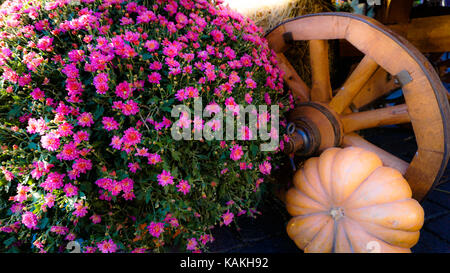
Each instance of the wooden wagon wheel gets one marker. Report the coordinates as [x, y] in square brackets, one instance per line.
[323, 120]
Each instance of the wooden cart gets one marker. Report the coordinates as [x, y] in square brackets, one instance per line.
[326, 118]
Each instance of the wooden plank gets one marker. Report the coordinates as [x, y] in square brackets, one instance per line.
[320, 70]
[298, 87]
[428, 34]
[375, 118]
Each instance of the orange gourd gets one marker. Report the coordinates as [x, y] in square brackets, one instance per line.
[346, 201]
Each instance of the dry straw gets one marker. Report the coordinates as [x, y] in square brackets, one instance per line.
[267, 14]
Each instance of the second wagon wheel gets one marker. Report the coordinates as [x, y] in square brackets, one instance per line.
[324, 120]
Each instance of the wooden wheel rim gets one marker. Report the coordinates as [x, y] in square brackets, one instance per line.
[425, 96]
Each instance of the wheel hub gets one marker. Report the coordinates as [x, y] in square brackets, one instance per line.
[314, 127]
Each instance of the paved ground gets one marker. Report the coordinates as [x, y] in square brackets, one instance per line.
[266, 233]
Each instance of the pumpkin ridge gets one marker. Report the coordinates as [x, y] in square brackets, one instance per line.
[315, 235]
[307, 181]
[330, 195]
[346, 237]
[383, 227]
[374, 205]
[389, 180]
[316, 201]
[359, 186]
[382, 206]
[309, 214]
[349, 168]
[371, 234]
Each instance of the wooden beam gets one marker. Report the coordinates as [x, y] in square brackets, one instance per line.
[428, 34]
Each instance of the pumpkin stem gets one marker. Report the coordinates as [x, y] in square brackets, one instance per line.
[337, 213]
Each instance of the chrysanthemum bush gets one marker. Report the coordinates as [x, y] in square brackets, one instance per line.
[87, 155]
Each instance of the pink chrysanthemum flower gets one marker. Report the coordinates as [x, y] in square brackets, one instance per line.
[155, 229]
[110, 124]
[80, 210]
[96, 218]
[45, 44]
[154, 158]
[130, 108]
[184, 187]
[141, 152]
[80, 136]
[236, 152]
[123, 90]
[151, 45]
[70, 190]
[116, 142]
[191, 244]
[227, 217]
[248, 98]
[250, 83]
[127, 185]
[154, 77]
[205, 238]
[217, 36]
[53, 181]
[265, 167]
[101, 83]
[131, 136]
[90, 249]
[165, 178]
[85, 119]
[22, 193]
[65, 129]
[59, 230]
[37, 94]
[69, 152]
[107, 246]
[133, 167]
[29, 219]
[49, 200]
[82, 165]
[37, 126]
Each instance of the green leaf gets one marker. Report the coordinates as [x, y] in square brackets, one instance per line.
[98, 112]
[146, 56]
[148, 196]
[32, 145]
[175, 155]
[9, 241]
[44, 222]
[254, 149]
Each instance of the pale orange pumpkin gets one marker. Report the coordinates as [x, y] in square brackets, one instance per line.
[346, 201]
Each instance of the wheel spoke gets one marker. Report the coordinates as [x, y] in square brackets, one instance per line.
[320, 70]
[388, 159]
[298, 87]
[353, 84]
[380, 84]
[374, 118]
